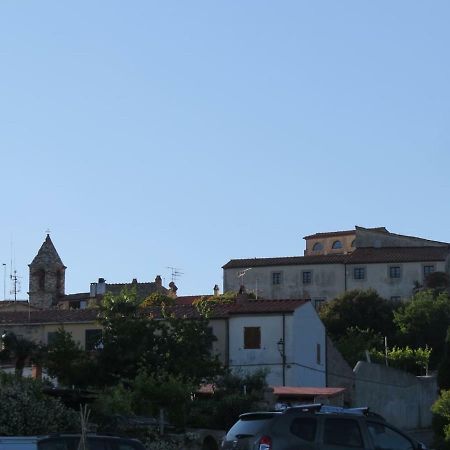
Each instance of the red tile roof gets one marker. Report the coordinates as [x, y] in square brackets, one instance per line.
[189, 311]
[307, 391]
[48, 316]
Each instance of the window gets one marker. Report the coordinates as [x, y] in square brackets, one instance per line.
[252, 337]
[336, 245]
[385, 438]
[353, 244]
[92, 338]
[276, 278]
[396, 298]
[359, 273]
[394, 272]
[51, 336]
[318, 356]
[342, 432]
[306, 277]
[304, 428]
[317, 247]
[318, 303]
[427, 270]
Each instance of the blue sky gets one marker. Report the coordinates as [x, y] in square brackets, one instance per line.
[150, 134]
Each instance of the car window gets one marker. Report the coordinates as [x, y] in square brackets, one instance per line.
[342, 432]
[304, 428]
[249, 425]
[385, 438]
[72, 442]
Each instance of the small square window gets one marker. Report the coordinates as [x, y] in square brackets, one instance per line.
[318, 303]
[252, 337]
[306, 277]
[394, 272]
[276, 278]
[359, 273]
[427, 270]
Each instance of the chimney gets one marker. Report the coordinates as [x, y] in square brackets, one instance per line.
[158, 281]
[216, 290]
[242, 295]
[101, 286]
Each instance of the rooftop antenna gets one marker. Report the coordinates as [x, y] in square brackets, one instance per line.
[241, 275]
[175, 273]
[15, 281]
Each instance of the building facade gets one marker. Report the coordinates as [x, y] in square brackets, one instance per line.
[392, 264]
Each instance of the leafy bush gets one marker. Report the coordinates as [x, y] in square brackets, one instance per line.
[441, 421]
[413, 360]
[26, 410]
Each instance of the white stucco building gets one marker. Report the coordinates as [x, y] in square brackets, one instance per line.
[336, 262]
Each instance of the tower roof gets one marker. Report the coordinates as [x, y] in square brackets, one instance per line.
[47, 255]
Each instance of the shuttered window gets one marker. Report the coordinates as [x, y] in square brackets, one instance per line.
[252, 337]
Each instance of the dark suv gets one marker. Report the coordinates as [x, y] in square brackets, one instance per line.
[316, 427]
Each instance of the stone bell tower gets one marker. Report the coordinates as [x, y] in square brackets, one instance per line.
[47, 276]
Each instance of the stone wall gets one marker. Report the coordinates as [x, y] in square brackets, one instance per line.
[400, 397]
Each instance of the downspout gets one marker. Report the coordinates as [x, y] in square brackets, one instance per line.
[284, 349]
[227, 343]
[345, 277]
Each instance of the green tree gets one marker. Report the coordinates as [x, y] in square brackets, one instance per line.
[153, 339]
[26, 410]
[355, 341]
[19, 350]
[443, 376]
[423, 321]
[157, 299]
[364, 309]
[441, 420]
[68, 362]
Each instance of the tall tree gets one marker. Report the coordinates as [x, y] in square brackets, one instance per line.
[68, 362]
[154, 339]
[364, 309]
[424, 321]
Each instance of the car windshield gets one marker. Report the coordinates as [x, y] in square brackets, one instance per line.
[249, 425]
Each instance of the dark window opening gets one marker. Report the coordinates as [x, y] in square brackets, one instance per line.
[252, 337]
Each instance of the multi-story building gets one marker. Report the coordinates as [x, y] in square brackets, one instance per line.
[335, 262]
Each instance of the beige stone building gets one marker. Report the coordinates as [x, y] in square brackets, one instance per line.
[335, 262]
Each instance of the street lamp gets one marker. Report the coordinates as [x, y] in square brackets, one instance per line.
[281, 345]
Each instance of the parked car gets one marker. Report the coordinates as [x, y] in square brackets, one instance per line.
[316, 427]
[68, 442]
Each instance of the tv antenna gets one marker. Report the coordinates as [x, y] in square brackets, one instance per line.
[241, 275]
[175, 273]
[15, 283]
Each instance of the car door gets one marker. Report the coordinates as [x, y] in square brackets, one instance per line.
[342, 433]
[385, 437]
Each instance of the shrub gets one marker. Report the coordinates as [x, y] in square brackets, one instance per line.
[26, 410]
[441, 420]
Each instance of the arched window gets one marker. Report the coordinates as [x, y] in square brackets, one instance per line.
[336, 245]
[317, 247]
[58, 280]
[40, 274]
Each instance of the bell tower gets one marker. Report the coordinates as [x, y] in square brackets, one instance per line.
[47, 276]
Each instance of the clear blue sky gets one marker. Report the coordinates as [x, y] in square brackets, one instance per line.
[150, 134]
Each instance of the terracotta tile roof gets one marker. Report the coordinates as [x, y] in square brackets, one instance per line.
[284, 261]
[307, 391]
[189, 299]
[362, 255]
[48, 316]
[189, 311]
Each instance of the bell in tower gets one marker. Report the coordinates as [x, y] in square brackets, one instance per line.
[47, 277]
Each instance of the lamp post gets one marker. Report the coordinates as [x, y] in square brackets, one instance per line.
[281, 345]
